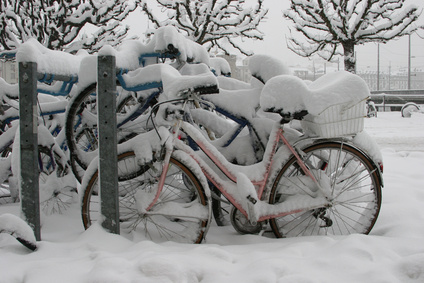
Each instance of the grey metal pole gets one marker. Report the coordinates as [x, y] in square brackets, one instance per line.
[378, 66]
[106, 95]
[28, 125]
[409, 61]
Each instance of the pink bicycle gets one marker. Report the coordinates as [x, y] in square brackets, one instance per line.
[303, 186]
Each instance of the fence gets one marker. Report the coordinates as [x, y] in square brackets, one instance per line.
[393, 100]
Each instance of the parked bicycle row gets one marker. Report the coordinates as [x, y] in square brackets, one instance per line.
[277, 155]
[62, 79]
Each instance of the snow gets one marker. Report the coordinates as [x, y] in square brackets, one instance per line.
[242, 103]
[393, 252]
[176, 85]
[288, 94]
[265, 67]
[232, 84]
[220, 66]
[16, 227]
[190, 50]
[48, 61]
[214, 23]
[165, 39]
[148, 74]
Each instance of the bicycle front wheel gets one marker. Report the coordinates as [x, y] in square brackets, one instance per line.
[82, 129]
[355, 193]
[180, 214]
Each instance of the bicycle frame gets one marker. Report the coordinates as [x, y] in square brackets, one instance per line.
[277, 137]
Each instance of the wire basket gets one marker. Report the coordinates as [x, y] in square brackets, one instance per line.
[336, 120]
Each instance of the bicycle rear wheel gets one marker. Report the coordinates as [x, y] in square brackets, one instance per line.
[355, 193]
[180, 214]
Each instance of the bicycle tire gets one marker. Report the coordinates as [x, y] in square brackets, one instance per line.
[82, 129]
[351, 173]
[408, 108]
[182, 189]
[60, 198]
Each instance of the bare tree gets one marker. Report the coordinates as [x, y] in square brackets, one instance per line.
[57, 23]
[331, 24]
[211, 23]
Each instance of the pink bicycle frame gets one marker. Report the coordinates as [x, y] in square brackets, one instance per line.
[259, 185]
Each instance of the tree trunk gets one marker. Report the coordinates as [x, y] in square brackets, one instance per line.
[349, 56]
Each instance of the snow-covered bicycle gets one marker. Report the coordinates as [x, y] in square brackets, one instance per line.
[304, 185]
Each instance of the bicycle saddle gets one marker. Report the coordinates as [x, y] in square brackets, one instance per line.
[265, 67]
[284, 95]
[240, 103]
[288, 95]
[176, 85]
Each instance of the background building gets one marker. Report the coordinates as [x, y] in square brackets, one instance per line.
[9, 71]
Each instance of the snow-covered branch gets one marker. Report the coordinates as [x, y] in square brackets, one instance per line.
[337, 26]
[56, 24]
[211, 22]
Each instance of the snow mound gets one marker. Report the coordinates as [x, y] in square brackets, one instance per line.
[220, 66]
[194, 69]
[265, 67]
[166, 38]
[19, 229]
[232, 84]
[48, 61]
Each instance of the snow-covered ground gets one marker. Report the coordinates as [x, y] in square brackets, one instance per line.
[393, 252]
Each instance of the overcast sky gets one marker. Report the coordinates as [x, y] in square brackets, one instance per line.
[394, 53]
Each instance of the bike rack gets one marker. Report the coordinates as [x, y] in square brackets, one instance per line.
[108, 172]
[28, 131]
[108, 161]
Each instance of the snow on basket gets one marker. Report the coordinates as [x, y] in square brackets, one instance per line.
[336, 120]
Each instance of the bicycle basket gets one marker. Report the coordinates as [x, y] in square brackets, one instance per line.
[336, 120]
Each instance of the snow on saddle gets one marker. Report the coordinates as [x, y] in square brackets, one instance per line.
[335, 102]
[176, 85]
[265, 67]
[244, 103]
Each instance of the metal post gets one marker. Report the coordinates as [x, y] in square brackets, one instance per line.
[378, 66]
[106, 95]
[409, 61]
[28, 125]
